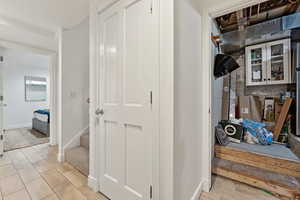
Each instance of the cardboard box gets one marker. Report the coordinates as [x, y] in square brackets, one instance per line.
[250, 108]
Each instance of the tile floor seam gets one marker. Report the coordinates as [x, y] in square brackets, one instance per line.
[14, 192]
[24, 184]
[45, 155]
[43, 180]
[30, 196]
[50, 186]
[72, 184]
[54, 191]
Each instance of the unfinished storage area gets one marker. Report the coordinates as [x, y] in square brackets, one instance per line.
[255, 96]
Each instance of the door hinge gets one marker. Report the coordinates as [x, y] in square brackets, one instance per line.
[151, 192]
[151, 98]
[151, 7]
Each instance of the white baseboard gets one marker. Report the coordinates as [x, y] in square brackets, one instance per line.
[93, 183]
[198, 191]
[60, 157]
[206, 185]
[75, 141]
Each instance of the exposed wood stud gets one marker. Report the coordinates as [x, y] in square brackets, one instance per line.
[255, 14]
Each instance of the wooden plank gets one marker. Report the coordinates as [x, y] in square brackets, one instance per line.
[283, 166]
[282, 117]
[280, 190]
[226, 97]
[277, 109]
[294, 143]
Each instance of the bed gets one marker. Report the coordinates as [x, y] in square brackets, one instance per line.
[41, 121]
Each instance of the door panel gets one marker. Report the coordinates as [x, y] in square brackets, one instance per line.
[135, 43]
[110, 95]
[128, 67]
[278, 62]
[136, 98]
[113, 150]
[135, 160]
[112, 30]
[256, 66]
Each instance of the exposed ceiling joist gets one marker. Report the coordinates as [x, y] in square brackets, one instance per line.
[256, 14]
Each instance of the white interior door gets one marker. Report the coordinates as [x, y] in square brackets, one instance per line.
[128, 84]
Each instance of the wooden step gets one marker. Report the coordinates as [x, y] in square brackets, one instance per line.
[266, 162]
[283, 186]
[85, 141]
[78, 157]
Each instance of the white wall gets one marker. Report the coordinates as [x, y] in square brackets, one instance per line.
[187, 148]
[17, 65]
[75, 80]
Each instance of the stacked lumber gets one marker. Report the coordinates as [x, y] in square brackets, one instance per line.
[278, 176]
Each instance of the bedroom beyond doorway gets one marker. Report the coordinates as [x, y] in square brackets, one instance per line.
[25, 98]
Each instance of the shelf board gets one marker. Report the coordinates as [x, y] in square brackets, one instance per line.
[276, 62]
[277, 56]
[256, 59]
[253, 65]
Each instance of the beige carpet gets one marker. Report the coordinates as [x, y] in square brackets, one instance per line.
[23, 137]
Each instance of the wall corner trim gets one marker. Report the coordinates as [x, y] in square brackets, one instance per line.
[93, 183]
[198, 191]
[206, 185]
[60, 158]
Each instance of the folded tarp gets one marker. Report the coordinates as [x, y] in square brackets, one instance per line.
[259, 131]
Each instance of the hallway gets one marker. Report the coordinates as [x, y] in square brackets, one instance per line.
[34, 174]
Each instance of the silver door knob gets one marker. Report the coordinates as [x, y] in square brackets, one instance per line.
[99, 111]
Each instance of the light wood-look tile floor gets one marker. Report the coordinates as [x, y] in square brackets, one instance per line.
[225, 189]
[34, 174]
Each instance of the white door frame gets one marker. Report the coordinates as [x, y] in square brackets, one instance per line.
[53, 102]
[163, 185]
[208, 14]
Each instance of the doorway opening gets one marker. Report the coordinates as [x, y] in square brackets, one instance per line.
[26, 97]
[255, 105]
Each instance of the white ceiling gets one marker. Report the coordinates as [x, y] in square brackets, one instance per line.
[48, 14]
